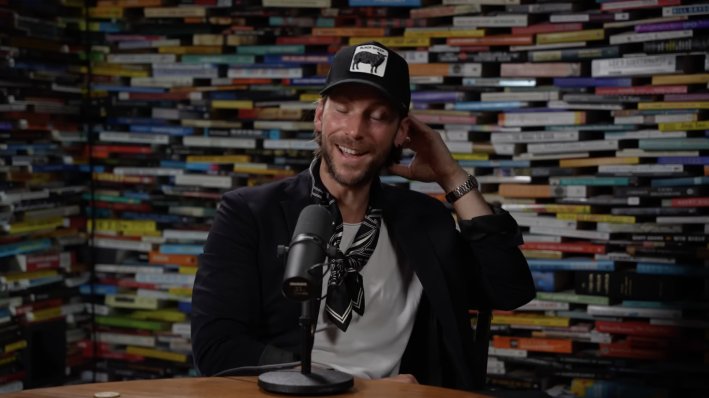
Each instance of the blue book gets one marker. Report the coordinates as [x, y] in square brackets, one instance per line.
[30, 147]
[55, 168]
[136, 195]
[85, 168]
[185, 306]
[494, 163]
[533, 110]
[393, 179]
[223, 95]
[171, 130]
[6, 126]
[305, 81]
[689, 160]
[173, 164]
[100, 213]
[577, 264]
[671, 269]
[385, 3]
[181, 249]
[99, 290]
[664, 304]
[198, 166]
[12, 249]
[37, 66]
[436, 96]
[488, 106]
[592, 82]
[4, 312]
[136, 120]
[177, 279]
[678, 182]
[129, 89]
[159, 218]
[420, 105]
[592, 127]
[550, 281]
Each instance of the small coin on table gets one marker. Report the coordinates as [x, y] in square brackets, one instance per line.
[107, 394]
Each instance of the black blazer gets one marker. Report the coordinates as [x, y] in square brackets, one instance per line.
[241, 318]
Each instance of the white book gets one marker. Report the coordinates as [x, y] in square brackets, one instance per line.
[640, 134]
[165, 113]
[472, 127]
[162, 82]
[69, 136]
[506, 352]
[535, 136]
[694, 9]
[632, 37]
[282, 125]
[62, 211]
[531, 96]
[290, 144]
[137, 138]
[635, 66]
[496, 21]
[126, 339]
[207, 181]
[565, 18]
[99, 309]
[147, 171]
[570, 233]
[185, 235]
[541, 238]
[683, 220]
[685, 323]
[640, 153]
[619, 310]
[122, 244]
[218, 142]
[13, 386]
[641, 168]
[621, 256]
[195, 72]
[16, 197]
[426, 79]
[414, 57]
[550, 156]
[298, 105]
[493, 179]
[274, 73]
[128, 269]
[459, 147]
[549, 222]
[453, 135]
[565, 147]
[182, 328]
[647, 227]
[583, 106]
[158, 294]
[550, 46]
[141, 58]
[425, 187]
[653, 119]
[541, 305]
[539, 119]
[625, 24]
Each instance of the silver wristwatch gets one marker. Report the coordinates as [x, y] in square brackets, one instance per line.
[470, 184]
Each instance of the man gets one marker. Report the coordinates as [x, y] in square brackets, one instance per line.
[399, 290]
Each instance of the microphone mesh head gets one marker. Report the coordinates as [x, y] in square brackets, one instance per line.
[315, 220]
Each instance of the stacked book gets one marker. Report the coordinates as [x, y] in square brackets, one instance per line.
[583, 119]
[42, 178]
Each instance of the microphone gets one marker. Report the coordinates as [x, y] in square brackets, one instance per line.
[308, 247]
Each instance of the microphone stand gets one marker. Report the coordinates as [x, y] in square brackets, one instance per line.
[306, 381]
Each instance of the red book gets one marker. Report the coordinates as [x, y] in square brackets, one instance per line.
[332, 49]
[12, 377]
[638, 328]
[122, 148]
[642, 90]
[161, 96]
[39, 305]
[313, 40]
[499, 40]
[141, 208]
[637, 4]
[624, 350]
[691, 202]
[565, 247]
[440, 119]
[128, 283]
[37, 117]
[46, 261]
[547, 28]
[474, 49]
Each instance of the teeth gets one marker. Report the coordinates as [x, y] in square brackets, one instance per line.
[348, 151]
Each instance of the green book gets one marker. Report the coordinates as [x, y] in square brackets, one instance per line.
[674, 143]
[218, 59]
[130, 323]
[600, 181]
[271, 49]
[570, 297]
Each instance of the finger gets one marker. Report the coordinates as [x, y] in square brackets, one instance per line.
[406, 143]
[400, 170]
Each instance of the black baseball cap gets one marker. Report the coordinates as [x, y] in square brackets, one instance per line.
[374, 64]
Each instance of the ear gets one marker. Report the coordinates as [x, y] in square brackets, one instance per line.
[403, 132]
[318, 116]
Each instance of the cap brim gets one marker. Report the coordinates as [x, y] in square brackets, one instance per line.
[371, 84]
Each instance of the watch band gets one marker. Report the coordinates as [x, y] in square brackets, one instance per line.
[470, 184]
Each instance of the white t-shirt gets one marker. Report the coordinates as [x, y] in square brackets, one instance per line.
[374, 343]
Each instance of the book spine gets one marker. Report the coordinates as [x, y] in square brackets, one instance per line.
[679, 45]
[683, 25]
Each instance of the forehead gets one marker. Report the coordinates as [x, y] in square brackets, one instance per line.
[361, 94]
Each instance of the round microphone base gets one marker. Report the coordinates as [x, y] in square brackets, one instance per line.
[318, 382]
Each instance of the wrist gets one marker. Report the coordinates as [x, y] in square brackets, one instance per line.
[454, 181]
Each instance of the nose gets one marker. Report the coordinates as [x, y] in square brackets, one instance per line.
[356, 126]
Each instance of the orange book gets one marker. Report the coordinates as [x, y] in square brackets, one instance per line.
[532, 344]
[175, 259]
[500, 40]
[622, 349]
[524, 191]
[589, 162]
[251, 81]
[323, 69]
[194, 20]
[706, 170]
[361, 32]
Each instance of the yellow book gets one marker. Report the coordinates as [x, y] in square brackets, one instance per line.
[589, 162]
[132, 301]
[674, 105]
[225, 159]
[43, 315]
[543, 254]
[471, 156]
[106, 12]
[596, 218]
[671, 80]
[152, 353]
[122, 225]
[549, 56]
[18, 276]
[210, 123]
[36, 225]
[704, 125]
[564, 37]
[142, 233]
[445, 33]
[175, 12]
[530, 320]
[116, 72]
[188, 271]
[394, 41]
[308, 97]
[270, 172]
[232, 104]
[18, 345]
[160, 315]
[7, 360]
[208, 40]
[191, 50]
[185, 291]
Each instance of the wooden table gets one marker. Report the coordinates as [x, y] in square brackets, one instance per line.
[230, 387]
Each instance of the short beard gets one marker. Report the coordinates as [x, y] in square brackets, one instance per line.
[366, 177]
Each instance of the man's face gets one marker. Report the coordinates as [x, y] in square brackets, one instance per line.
[359, 127]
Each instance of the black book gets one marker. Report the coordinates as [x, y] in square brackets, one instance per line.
[628, 285]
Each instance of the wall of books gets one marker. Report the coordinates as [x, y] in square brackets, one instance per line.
[583, 118]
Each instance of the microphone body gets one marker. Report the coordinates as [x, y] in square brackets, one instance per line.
[308, 247]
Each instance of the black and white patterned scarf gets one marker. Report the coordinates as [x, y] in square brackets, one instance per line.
[345, 290]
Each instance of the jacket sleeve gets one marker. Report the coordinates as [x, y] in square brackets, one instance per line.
[226, 305]
[501, 276]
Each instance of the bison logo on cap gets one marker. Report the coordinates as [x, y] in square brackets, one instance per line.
[370, 59]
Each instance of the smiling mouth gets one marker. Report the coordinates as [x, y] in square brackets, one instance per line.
[349, 152]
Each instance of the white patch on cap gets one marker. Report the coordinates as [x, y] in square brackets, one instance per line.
[370, 59]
